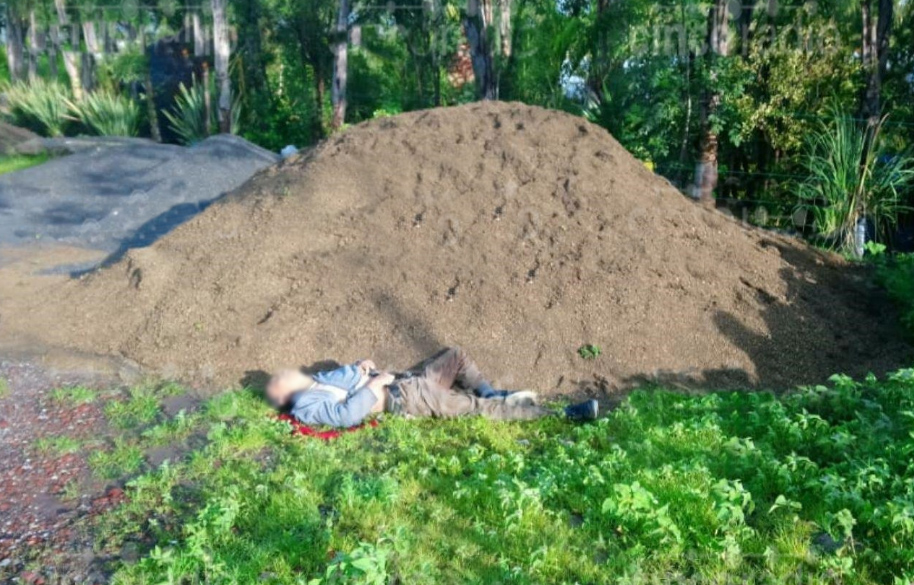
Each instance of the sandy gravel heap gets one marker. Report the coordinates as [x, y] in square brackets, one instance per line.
[517, 232]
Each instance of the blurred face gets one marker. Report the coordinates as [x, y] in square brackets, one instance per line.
[286, 383]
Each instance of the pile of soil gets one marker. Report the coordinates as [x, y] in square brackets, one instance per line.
[519, 233]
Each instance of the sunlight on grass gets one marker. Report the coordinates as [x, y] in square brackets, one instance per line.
[74, 395]
[140, 409]
[815, 486]
[123, 459]
[62, 445]
[9, 164]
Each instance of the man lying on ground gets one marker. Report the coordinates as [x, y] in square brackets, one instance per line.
[449, 385]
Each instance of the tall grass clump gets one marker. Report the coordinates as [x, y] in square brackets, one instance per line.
[189, 118]
[40, 105]
[107, 114]
[851, 177]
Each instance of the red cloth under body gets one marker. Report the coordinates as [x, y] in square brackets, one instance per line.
[299, 428]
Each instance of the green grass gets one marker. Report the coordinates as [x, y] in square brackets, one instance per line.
[142, 408]
[4, 388]
[61, 445]
[170, 431]
[816, 486]
[74, 395]
[9, 164]
[123, 459]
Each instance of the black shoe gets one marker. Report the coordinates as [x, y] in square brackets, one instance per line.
[584, 411]
[487, 391]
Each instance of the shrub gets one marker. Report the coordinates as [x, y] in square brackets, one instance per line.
[107, 114]
[39, 104]
[852, 176]
[189, 120]
[897, 276]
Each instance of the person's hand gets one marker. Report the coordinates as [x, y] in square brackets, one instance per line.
[366, 366]
[381, 380]
[378, 384]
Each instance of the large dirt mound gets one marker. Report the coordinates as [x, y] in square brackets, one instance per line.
[517, 232]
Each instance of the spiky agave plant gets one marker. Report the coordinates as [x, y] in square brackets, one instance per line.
[107, 114]
[189, 118]
[39, 104]
[851, 176]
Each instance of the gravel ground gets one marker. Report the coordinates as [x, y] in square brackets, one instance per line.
[46, 496]
[113, 195]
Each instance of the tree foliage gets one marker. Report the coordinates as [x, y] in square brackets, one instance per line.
[639, 68]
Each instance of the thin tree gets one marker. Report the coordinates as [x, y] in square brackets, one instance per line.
[15, 40]
[36, 42]
[199, 33]
[223, 55]
[70, 38]
[487, 25]
[718, 41]
[340, 65]
[877, 30]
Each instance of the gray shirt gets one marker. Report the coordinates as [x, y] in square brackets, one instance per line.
[318, 407]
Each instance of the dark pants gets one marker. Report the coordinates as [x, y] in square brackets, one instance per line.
[445, 387]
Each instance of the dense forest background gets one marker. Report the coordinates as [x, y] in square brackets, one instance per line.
[753, 105]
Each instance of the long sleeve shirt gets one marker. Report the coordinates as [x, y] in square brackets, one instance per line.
[324, 404]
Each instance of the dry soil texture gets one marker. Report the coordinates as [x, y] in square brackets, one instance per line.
[516, 232]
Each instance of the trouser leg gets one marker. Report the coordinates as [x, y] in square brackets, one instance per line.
[423, 396]
[453, 366]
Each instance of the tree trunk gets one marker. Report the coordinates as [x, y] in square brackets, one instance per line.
[53, 49]
[155, 130]
[87, 71]
[207, 99]
[110, 47]
[187, 29]
[706, 171]
[36, 44]
[222, 51]
[745, 28]
[476, 25]
[14, 43]
[87, 55]
[688, 58]
[71, 62]
[340, 66]
[199, 34]
[877, 30]
[91, 38]
[252, 47]
[596, 75]
[61, 6]
[436, 67]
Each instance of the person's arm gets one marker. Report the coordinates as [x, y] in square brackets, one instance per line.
[346, 377]
[322, 408]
